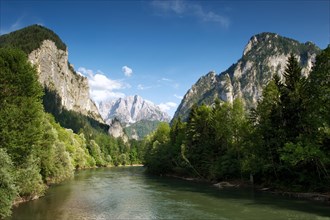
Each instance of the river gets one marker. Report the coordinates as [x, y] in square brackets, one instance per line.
[128, 193]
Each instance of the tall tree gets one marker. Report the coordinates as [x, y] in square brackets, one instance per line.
[292, 99]
[21, 109]
[268, 133]
[199, 139]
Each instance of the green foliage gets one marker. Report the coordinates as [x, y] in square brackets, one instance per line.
[30, 38]
[8, 190]
[157, 155]
[28, 178]
[289, 129]
[21, 109]
[209, 145]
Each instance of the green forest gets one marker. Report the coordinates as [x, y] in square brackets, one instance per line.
[283, 143]
[43, 143]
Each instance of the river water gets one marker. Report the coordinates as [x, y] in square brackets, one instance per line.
[128, 193]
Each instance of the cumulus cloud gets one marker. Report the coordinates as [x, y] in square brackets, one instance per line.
[184, 8]
[167, 106]
[127, 71]
[101, 87]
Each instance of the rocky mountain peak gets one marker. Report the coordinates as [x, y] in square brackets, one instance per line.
[258, 40]
[264, 56]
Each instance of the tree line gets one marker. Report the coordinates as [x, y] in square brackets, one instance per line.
[283, 143]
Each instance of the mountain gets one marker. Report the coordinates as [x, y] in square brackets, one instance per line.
[132, 109]
[139, 117]
[264, 56]
[49, 55]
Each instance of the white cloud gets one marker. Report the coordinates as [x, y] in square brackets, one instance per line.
[178, 96]
[167, 106]
[127, 71]
[184, 8]
[101, 87]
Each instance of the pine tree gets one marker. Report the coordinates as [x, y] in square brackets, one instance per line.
[292, 99]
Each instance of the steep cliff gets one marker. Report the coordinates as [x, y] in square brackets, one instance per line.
[264, 56]
[56, 73]
[49, 54]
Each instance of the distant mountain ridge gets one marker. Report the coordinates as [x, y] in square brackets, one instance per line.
[264, 56]
[132, 109]
[137, 116]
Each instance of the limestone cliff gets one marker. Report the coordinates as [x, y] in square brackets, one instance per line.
[264, 56]
[56, 73]
[49, 54]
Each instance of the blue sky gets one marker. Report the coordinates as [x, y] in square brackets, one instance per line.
[159, 49]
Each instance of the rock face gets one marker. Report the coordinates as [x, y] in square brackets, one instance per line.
[56, 73]
[131, 109]
[117, 130]
[264, 56]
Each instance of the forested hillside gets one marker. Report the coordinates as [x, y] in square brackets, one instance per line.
[283, 142]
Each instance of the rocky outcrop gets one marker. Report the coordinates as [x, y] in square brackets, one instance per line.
[264, 56]
[56, 73]
[116, 130]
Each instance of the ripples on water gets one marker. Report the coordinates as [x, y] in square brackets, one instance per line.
[127, 193]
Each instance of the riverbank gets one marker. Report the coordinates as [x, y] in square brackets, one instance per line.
[23, 199]
[311, 196]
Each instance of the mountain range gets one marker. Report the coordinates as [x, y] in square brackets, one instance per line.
[131, 109]
[264, 56]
